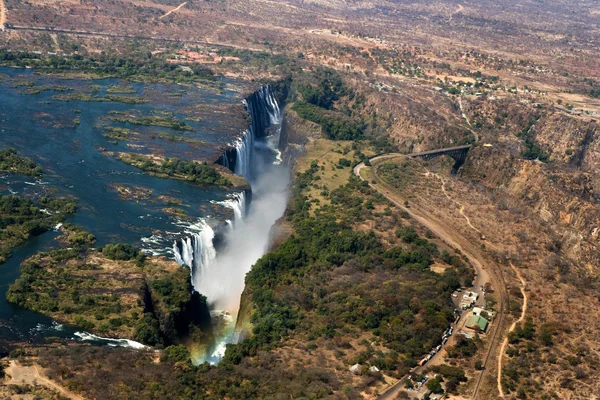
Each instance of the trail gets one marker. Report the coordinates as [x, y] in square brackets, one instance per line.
[512, 328]
[30, 375]
[173, 10]
[55, 40]
[462, 111]
[456, 241]
[2, 15]
[462, 207]
[459, 9]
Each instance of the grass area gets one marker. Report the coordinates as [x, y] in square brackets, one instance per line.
[335, 160]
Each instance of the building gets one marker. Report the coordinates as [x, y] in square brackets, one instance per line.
[477, 323]
[481, 312]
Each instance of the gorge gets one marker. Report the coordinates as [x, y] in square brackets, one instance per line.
[218, 267]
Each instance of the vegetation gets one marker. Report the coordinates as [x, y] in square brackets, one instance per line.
[76, 237]
[120, 251]
[453, 376]
[64, 284]
[202, 174]
[319, 93]
[115, 292]
[336, 126]
[139, 67]
[320, 306]
[464, 348]
[93, 98]
[64, 205]
[21, 218]
[526, 342]
[11, 162]
[155, 120]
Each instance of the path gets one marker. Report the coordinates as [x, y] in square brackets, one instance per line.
[173, 10]
[512, 328]
[462, 207]
[454, 240]
[475, 135]
[2, 15]
[30, 375]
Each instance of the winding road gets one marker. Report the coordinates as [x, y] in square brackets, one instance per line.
[455, 240]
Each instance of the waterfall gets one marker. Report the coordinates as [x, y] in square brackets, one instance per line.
[224, 161]
[264, 110]
[237, 203]
[273, 110]
[243, 154]
[196, 250]
[220, 277]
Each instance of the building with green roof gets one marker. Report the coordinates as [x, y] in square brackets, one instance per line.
[477, 323]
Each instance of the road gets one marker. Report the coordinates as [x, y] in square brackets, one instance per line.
[2, 15]
[512, 328]
[173, 10]
[455, 240]
[123, 36]
[30, 375]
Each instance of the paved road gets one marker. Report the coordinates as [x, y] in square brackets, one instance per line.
[454, 240]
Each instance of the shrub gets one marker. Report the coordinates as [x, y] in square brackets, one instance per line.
[120, 251]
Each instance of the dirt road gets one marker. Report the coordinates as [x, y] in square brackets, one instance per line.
[453, 239]
[173, 10]
[2, 15]
[30, 375]
[512, 328]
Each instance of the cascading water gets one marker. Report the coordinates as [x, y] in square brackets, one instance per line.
[243, 154]
[237, 203]
[196, 250]
[220, 275]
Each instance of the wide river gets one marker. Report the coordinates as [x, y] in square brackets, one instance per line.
[71, 141]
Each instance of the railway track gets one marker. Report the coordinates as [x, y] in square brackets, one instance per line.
[495, 273]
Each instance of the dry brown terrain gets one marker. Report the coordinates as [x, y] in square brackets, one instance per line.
[31, 379]
[519, 80]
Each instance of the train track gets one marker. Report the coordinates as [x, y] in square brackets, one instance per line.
[496, 273]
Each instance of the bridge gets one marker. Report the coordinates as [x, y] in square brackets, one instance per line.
[458, 153]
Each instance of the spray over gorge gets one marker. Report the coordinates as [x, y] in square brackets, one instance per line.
[221, 255]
